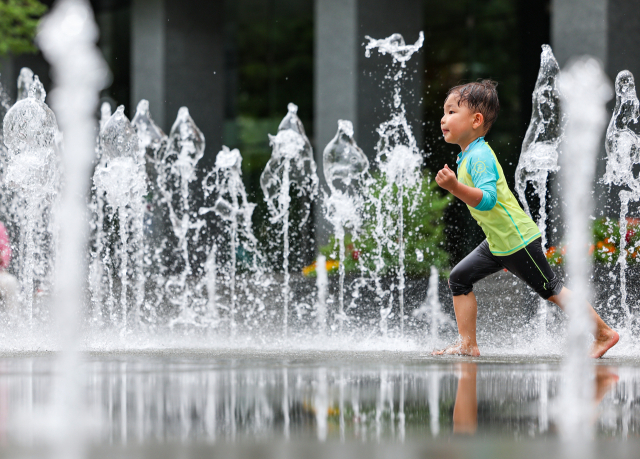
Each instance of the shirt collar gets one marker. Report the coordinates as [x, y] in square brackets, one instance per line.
[470, 147]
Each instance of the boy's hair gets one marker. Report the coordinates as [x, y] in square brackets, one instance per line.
[480, 96]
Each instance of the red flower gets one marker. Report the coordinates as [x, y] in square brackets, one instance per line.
[630, 234]
[355, 255]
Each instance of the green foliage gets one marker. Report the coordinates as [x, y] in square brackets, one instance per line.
[18, 25]
[606, 246]
[423, 231]
[606, 243]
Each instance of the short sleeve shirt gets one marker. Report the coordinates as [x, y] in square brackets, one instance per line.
[507, 227]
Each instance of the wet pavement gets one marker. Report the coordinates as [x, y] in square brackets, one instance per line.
[229, 399]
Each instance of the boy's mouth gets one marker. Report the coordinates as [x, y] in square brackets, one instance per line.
[445, 131]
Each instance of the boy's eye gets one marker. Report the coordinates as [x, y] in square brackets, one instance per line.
[450, 112]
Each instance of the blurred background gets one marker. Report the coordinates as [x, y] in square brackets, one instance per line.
[237, 63]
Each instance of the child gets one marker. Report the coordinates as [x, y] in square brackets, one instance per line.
[513, 239]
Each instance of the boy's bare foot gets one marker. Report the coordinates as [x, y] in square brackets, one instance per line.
[458, 348]
[604, 341]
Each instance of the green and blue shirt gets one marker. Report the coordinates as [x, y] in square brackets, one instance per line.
[507, 227]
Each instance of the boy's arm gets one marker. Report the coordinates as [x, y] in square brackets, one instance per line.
[446, 179]
[483, 197]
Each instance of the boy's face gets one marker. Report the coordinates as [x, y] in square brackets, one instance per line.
[459, 124]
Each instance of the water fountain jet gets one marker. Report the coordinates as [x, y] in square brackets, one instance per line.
[539, 155]
[623, 153]
[400, 162]
[291, 163]
[345, 170]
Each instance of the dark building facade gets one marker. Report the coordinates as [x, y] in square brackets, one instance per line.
[237, 63]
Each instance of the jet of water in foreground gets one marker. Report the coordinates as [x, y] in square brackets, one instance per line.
[291, 163]
[400, 163]
[30, 131]
[586, 91]
[120, 184]
[345, 168]
[68, 37]
[623, 152]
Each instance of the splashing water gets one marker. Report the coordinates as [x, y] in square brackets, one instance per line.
[211, 274]
[394, 45]
[291, 163]
[539, 155]
[97, 276]
[25, 80]
[224, 184]
[30, 131]
[623, 152]
[322, 284]
[431, 309]
[7, 203]
[345, 169]
[400, 163]
[586, 91]
[153, 142]
[120, 184]
[177, 169]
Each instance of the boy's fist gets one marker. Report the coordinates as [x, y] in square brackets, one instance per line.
[446, 178]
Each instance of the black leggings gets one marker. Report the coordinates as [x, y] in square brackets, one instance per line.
[528, 263]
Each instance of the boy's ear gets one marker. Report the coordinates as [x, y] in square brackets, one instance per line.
[478, 120]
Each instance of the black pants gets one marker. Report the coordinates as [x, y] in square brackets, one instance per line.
[528, 263]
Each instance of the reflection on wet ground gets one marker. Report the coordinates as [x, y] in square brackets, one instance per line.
[228, 397]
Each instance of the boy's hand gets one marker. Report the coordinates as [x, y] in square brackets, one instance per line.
[446, 179]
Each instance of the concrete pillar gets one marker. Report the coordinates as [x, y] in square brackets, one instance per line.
[148, 38]
[350, 86]
[578, 28]
[178, 60]
[336, 50]
[610, 31]
[336, 68]
[379, 19]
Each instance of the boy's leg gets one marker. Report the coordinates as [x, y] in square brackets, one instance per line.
[605, 337]
[465, 409]
[530, 265]
[466, 309]
[477, 265]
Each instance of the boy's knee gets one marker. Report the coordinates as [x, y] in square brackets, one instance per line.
[460, 289]
[459, 283]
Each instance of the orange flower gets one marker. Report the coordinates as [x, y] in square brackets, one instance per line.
[330, 265]
[309, 269]
[550, 251]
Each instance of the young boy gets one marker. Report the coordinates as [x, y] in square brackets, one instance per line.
[513, 239]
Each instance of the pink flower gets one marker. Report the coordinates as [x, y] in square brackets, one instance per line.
[5, 248]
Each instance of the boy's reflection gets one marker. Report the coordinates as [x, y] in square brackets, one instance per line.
[465, 410]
